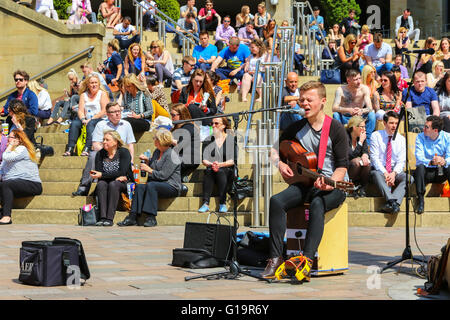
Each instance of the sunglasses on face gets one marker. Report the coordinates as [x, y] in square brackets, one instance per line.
[174, 114]
[19, 79]
[216, 123]
[115, 111]
[154, 47]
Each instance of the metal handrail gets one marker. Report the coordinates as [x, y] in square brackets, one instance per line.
[162, 15]
[40, 75]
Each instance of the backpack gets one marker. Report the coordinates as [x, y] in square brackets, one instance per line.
[436, 269]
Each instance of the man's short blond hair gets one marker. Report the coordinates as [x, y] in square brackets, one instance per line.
[310, 85]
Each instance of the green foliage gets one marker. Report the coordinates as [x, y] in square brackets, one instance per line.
[169, 7]
[61, 7]
[336, 10]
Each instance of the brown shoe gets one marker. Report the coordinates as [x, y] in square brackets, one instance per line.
[271, 267]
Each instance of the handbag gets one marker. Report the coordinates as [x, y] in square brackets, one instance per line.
[88, 216]
[330, 76]
[124, 203]
[242, 187]
[44, 150]
[417, 116]
[81, 141]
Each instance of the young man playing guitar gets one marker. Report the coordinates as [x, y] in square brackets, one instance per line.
[321, 195]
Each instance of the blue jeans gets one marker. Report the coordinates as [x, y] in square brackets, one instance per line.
[224, 73]
[370, 121]
[75, 130]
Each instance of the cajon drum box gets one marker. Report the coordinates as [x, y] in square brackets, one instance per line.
[332, 254]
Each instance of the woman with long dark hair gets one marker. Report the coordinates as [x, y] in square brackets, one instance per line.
[388, 97]
[199, 97]
[19, 173]
[358, 154]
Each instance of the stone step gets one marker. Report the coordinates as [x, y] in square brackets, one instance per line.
[179, 218]
[49, 202]
[169, 218]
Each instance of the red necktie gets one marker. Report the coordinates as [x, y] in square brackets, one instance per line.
[389, 155]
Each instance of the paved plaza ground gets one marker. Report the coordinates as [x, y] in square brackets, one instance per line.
[134, 263]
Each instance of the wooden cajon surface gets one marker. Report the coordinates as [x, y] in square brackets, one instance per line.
[332, 254]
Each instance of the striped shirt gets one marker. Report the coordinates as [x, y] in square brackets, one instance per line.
[16, 164]
[181, 76]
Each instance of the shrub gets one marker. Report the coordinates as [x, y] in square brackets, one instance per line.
[336, 10]
[61, 7]
[169, 7]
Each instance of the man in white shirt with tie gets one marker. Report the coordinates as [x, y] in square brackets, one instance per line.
[388, 159]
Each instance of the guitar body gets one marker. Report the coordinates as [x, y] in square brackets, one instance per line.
[295, 154]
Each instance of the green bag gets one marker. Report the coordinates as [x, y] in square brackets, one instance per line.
[81, 141]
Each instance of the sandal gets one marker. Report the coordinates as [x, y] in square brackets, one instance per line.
[69, 152]
[85, 152]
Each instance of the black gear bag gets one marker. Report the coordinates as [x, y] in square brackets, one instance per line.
[56, 262]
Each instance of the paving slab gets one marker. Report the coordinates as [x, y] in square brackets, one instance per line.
[134, 264]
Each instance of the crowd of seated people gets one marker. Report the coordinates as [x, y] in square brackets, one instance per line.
[125, 96]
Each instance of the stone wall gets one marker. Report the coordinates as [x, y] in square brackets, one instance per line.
[33, 42]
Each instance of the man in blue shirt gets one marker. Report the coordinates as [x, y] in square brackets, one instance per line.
[234, 55]
[316, 23]
[421, 95]
[432, 157]
[27, 96]
[204, 53]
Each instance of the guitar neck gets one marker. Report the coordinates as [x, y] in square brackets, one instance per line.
[314, 175]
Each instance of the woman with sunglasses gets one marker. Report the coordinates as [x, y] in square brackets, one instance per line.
[358, 154]
[159, 61]
[112, 171]
[335, 33]
[402, 44]
[91, 110]
[348, 56]
[19, 173]
[388, 97]
[219, 152]
[198, 96]
[186, 140]
[164, 181]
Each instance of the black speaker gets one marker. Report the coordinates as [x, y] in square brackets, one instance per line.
[215, 238]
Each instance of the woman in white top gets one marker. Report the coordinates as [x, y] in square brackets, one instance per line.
[44, 100]
[437, 73]
[258, 50]
[91, 109]
[19, 173]
[159, 61]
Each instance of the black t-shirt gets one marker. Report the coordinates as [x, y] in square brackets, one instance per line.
[337, 145]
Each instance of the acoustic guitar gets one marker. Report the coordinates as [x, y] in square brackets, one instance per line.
[304, 167]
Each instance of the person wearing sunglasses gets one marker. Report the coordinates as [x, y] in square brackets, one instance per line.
[348, 56]
[224, 33]
[379, 54]
[181, 77]
[19, 173]
[218, 157]
[23, 93]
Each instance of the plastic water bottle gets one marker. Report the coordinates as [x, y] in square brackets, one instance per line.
[136, 173]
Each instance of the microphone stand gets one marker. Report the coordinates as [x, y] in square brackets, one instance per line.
[407, 253]
[234, 268]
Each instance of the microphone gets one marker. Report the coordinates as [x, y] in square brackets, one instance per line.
[421, 51]
[298, 111]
